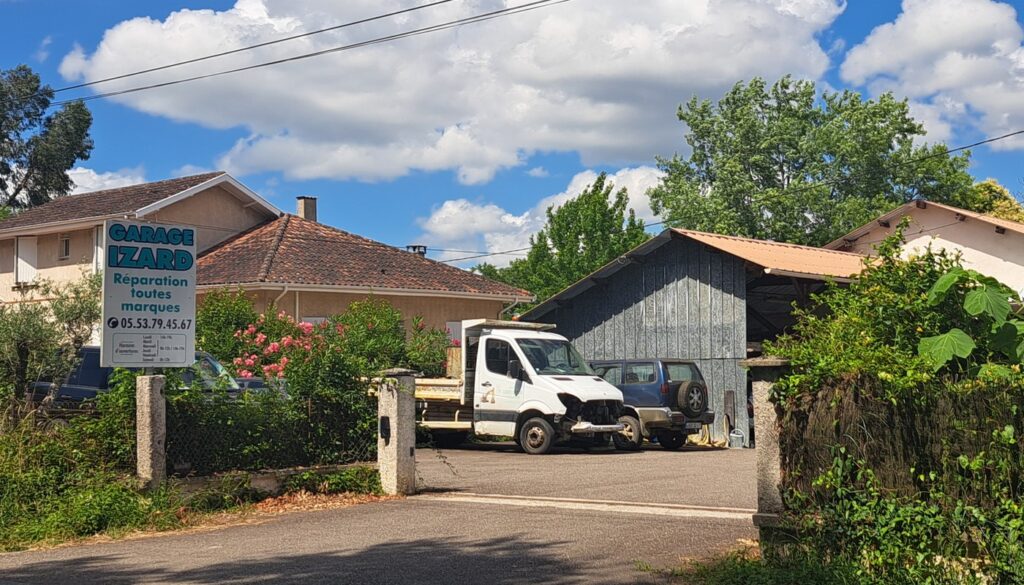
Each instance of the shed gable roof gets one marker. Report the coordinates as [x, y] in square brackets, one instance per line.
[777, 258]
[291, 250]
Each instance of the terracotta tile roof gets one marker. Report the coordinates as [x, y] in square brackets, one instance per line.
[295, 251]
[782, 258]
[122, 200]
[908, 208]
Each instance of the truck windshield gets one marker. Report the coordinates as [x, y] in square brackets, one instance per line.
[554, 356]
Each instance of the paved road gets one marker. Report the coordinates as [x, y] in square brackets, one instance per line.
[694, 476]
[536, 519]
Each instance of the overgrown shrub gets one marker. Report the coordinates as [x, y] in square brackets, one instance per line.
[374, 334]
[427, 349]
[900, 424]
[221, 313]
[38, 340]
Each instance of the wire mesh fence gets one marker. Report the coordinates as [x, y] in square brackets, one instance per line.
[210, 433]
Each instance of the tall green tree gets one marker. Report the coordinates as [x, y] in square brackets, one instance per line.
[579, 237]
[996, 200]
[784, 164]
[37, 149]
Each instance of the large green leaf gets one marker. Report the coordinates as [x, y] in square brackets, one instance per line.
[943, 284]
[939, 349]
[1007, 338]
[988, 301]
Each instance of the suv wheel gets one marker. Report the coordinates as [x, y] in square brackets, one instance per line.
[671, 440]
[693, 399]
[631, 437]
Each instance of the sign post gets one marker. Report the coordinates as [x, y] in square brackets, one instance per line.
[149, 313]
[149, 295]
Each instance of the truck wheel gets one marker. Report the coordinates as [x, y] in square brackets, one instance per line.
[536, 436]
[631, 437]
[671, 440]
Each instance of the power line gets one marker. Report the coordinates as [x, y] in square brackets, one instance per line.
[816, 185]
[251, 47]
[484, 255]
[536, 4]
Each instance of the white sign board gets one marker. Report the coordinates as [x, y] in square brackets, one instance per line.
[149, 295]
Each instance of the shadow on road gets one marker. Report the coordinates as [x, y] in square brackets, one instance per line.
[507, 561]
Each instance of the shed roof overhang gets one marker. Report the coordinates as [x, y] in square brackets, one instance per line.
[765, 257]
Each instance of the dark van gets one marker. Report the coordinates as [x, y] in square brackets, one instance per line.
[88, 378]
[664, 399]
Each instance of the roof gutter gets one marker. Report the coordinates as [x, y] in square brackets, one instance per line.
[61, 226]
[363, 291]
[807, 275]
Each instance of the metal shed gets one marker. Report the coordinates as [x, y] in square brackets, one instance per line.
[696, 296]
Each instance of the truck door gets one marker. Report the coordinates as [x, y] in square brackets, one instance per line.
[496, 398]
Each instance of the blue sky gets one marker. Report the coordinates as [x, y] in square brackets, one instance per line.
[460, 139]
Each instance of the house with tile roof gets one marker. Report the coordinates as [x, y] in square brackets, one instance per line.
[990, 245]
[303, 267]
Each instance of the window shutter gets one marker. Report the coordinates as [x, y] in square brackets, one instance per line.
[25, 268]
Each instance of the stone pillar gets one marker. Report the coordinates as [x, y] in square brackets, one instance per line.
[764, 372]
[150, 430]
[396, 436]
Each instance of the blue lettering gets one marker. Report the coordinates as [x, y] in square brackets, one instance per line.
[164, 259]
[182, 260]
[116, 232]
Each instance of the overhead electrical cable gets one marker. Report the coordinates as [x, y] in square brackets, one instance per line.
[536, 4]
[251, 47]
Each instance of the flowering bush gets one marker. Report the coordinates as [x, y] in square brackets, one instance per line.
[427, 348]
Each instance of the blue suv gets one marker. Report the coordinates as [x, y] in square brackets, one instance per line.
[663, 399]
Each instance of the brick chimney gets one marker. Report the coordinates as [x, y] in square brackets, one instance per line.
[306, 207]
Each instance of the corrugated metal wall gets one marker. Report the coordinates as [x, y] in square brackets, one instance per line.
[684, 301]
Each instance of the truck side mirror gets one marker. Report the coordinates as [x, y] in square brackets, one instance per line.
[515, 369]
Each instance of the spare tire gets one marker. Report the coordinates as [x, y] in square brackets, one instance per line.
[693, 399]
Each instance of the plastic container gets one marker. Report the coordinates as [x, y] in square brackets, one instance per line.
[736, 439]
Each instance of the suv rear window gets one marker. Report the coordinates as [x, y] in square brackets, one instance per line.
[682, 373]
[640, 373]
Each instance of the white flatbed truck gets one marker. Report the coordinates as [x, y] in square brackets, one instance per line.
[520, 380]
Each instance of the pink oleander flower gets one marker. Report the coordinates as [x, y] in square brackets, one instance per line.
[260, 338]
[237, 361]
[245, 373]
[251, 329]
[274, 347]
[284, 361]
[249, 363]
[306, 328]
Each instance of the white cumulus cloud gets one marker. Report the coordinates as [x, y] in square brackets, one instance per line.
[87, 180]
[461, 224]
[959, 62]
[602, 78]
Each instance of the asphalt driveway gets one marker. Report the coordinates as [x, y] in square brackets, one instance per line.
[503, 518]
[691, 476]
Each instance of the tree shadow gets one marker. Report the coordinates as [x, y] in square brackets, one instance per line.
[505, 561]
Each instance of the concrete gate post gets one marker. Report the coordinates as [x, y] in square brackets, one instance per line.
[396, 436]
[150, 430]
[764, 372]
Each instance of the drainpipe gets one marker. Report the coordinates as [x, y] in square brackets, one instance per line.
[280, 296]
[515, 302]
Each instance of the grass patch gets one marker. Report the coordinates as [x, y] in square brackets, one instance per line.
[747, 568]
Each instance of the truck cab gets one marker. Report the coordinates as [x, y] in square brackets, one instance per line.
[521, 380]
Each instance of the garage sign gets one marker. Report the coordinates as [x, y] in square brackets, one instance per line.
[149, 295]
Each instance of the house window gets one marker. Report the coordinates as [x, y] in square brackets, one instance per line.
[454, 329]
[314, 320]
[63, 247]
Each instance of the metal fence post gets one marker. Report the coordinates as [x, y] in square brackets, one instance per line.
[396, 437]
[150, 430]
[764, 372]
